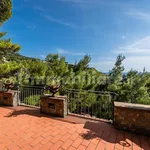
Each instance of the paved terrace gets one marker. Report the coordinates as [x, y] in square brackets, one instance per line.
[23, 128]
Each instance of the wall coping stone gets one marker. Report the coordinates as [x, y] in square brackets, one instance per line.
[62, 98]
[10, 91]
[132, 106]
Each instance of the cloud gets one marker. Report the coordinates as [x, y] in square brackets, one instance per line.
[25, 1]
[62, 51]
[36, 7]
[78, 1]
[105, 2]
[140, 15]
[59, 21]
[137, 63]
[103, 65]
[43, 56]
[131, 62]
[141, 47]
[137, 57]
[95, 3]
[32, 26]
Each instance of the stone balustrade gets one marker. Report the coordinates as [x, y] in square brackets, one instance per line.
[133, 117]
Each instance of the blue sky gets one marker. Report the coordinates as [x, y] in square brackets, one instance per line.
[101, 28]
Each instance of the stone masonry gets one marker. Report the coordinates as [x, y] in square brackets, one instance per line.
[56, 106]
[133, 117]
[9, 98]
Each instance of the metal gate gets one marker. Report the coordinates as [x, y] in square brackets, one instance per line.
[30, 95]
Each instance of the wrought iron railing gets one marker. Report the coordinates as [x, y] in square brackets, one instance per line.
[85, 103]
[92, 104]
[30, 96]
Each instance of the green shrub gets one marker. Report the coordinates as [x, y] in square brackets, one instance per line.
[32, 100]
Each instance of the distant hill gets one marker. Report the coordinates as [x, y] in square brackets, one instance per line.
[17, 56]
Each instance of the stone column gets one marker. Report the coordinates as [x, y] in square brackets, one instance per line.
[9, 98]
[56, 106]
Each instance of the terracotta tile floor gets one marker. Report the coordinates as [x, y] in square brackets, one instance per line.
[23, 128]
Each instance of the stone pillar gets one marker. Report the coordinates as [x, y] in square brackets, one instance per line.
[9, 98]
[56, 106]
[133, 117]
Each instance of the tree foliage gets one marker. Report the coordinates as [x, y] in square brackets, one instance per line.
[83, 63]
[5, 10]
[131, 87]
[6, 46]
[57, 64]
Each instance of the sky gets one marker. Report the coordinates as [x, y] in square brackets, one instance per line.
[73, 28]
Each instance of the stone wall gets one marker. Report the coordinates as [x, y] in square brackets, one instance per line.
[56, 106]
[9, 98]
[133, 117]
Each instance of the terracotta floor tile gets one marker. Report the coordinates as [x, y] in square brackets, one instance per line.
[71, 148]
[23, 128]
[46, 140]
[111, 141]
[92, 147]
[37, 147]
[86, 142]
[47, 146]
[36, 141]
[74, 136]
[27, 147]
[56, 145]
[128, 141]
[119, 140]
[65, 137]
[101, 146]
[81, 147]
[67, 144]
[77, 142]
[56, 138]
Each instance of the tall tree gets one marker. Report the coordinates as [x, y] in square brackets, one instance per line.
[116, 74]
[6, 46]
[5, 10]
[57, 64]
[83, 63]
[134, 89]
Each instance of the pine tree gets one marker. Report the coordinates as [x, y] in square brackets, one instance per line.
[83, 63]
[116, 74]
[5, 10]
[57, 64]
[134, 90]
[6, 46]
